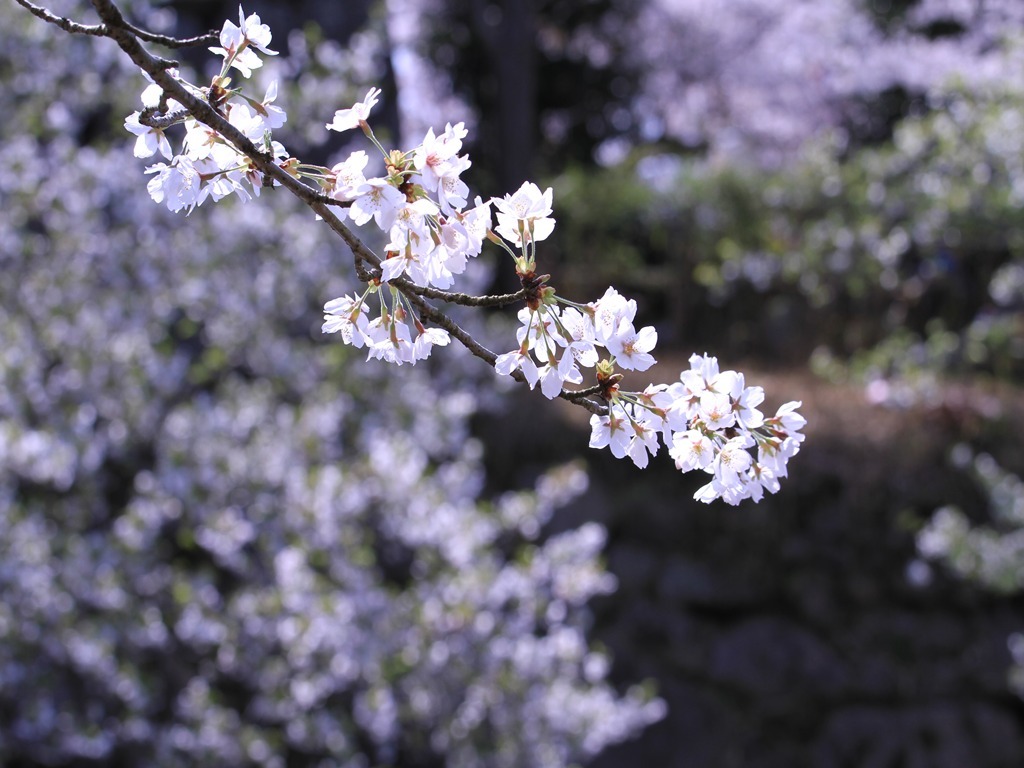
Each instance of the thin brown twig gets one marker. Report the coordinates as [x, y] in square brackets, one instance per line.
[97, 30]
[100, 30]
[174, 42]
[468, 300]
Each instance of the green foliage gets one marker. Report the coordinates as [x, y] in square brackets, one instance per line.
[606, 223]
[912, 249]
[992, 555]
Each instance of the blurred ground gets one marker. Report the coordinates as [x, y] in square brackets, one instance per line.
[803, 631]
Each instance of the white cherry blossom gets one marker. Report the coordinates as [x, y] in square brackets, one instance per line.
[524, 216]
[691, 450]
[716, 411]
[235, 42]
[608, 313]
[745, 401]
[518, 360]
[612, 431]
[427, 339]
[150, 140]
[349, 181]
[380, 202]
[176, 185]
[643, 444]
[347, 119]
[436, 156]
[349, 316]
[632, 348]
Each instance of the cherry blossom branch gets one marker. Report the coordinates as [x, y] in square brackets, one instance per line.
[466, 299]
[577, 398]
[415, 293]
[708, 420]
[364, 254]
[203, 111]
[122, 33]
[117, 29]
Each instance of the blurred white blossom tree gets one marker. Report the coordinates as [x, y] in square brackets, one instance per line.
[221, 541]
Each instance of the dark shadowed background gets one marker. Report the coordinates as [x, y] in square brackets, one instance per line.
[226, 541]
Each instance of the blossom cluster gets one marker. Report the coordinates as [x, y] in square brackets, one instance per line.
[708, 420]
[209, 166]
[562, 340]
[421, 207]
[387, 336]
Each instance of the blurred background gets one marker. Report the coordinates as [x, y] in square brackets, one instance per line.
[227, 540]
